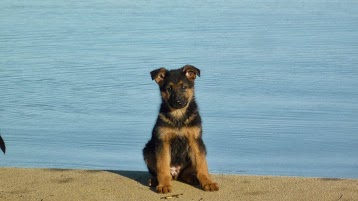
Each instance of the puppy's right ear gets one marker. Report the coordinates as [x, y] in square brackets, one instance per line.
[158, 75]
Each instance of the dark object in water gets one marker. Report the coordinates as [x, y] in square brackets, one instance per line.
[2, 145]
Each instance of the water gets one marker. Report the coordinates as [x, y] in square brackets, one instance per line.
[278, 92]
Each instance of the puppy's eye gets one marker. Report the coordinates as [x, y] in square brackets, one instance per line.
[169, 89]
[183, 88]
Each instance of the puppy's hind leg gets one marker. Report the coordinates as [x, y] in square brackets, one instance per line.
[150, 160]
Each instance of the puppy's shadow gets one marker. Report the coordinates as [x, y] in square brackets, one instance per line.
[141, 177]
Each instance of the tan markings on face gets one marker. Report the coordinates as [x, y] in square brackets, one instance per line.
[166, 94]
[189, 93]
[178, 113]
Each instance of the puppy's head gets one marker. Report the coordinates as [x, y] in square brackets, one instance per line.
[176, 86]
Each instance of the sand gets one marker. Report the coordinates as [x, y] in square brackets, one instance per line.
[62, 185]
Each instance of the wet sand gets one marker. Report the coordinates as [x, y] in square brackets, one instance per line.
[61, 184]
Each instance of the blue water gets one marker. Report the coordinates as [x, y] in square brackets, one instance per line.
[278, 93]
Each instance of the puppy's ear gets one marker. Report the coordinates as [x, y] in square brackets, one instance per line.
[158, 75]
[191, 72]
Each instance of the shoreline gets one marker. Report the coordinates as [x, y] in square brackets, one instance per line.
[73, 184]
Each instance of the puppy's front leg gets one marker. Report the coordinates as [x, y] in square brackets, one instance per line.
[163, 168]
[201, 166]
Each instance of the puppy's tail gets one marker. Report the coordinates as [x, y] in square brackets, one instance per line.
[2, 145]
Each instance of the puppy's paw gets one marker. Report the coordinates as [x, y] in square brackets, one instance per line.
[211, 187]
[164, 189]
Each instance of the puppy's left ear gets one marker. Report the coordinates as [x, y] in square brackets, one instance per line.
[191, 72]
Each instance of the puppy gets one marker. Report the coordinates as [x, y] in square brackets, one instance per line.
[176, 149]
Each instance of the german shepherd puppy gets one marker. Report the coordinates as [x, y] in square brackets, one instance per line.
[176, 149]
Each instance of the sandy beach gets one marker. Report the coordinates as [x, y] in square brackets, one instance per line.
[61, 184]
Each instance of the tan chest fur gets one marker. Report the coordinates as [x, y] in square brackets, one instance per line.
[167, 133]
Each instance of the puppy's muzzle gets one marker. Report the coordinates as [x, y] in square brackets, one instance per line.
[177, 103]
